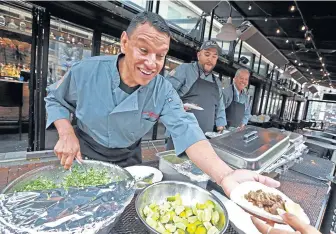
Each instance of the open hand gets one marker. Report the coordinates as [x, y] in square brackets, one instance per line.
[291, 220]
[232, 180]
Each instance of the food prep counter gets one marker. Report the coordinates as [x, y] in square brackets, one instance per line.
[310, 193]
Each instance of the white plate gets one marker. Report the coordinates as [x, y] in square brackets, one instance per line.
[139, 172]
[237, 196]
[192, 106]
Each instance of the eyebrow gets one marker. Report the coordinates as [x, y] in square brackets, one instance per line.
[141, 40]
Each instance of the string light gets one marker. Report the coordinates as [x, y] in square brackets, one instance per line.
[322, 64]
[311, 73]
[250, 7]
[266, 19]
[320, 58]
[287, 41]
[303, 28]
[295, 61]
[278, 31]
[321, 69]
[292, 8]
[307, 70]
[308, 38]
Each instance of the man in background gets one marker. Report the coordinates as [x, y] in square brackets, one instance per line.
[236, 101]
[195, 83]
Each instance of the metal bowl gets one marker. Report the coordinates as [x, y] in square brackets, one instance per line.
[93, 209]
[56, 173]
[190, 194]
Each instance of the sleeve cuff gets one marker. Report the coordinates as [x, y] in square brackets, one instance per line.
[56, 114]
[220, 123]
[192, 135]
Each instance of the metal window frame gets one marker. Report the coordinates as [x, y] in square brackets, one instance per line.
[32, 82]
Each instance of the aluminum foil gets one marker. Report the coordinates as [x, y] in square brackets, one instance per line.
[76, 210]
[186, 167]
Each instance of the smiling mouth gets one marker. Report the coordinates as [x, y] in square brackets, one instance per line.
[146, 72]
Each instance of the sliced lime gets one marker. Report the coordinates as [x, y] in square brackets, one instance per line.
[179, 209]
[201, 230]
[191, 228]
[170, 227]
[207, 225]
[165, 218]
[151, 222]
[192, 219]
[181, 226]
[209, 204]
[207, 215]
[213, 230]
[215, 217]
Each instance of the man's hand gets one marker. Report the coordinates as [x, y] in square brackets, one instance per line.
[67, 147]
[233, 179]
[241, 127]
[291, 220]
[220, 129]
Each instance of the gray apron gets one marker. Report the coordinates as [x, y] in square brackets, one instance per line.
[206, 95]
[123, 157]
[234, 112]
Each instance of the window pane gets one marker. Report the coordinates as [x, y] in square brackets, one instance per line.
[251, 92]
[181, 16]
[135, 4]
[237, 51]
[68, 44]
[109, 45]
[245, 52]
[256, 63]
[264, 103]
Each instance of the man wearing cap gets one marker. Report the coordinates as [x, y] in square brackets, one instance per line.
[196, 84]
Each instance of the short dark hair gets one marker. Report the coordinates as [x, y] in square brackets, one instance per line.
[153, 19]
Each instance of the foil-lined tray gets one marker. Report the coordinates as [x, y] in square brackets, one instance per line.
[74, 210]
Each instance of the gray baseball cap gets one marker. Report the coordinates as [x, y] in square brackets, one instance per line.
[211, 44]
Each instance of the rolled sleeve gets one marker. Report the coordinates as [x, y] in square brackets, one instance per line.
[61, 99]
[182, 126]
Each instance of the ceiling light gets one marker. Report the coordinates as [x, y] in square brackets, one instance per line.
[295, 61]
[228, 31]
[323, 64]
[278, 31]
[292, 8]
[250, 7]
[303, 28]
[287, 42]
[266, 19]
[320, 58]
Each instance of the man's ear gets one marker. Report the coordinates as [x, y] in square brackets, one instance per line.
[123, 42]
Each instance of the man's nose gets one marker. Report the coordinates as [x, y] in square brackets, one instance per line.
[150, 61]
